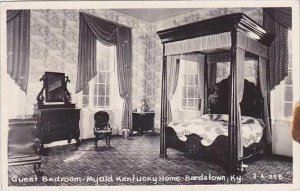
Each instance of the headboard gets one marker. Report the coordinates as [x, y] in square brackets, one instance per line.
[251, 104]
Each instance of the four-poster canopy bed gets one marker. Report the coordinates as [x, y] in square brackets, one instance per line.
[233, 38]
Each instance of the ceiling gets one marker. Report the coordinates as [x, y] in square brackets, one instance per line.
[153, 15]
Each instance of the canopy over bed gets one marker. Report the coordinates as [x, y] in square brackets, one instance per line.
[227, 38]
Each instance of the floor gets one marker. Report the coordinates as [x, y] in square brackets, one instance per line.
[137, 162]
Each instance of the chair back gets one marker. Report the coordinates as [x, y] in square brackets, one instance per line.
[101, 120]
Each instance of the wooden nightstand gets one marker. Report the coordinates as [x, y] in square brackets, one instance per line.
[142, 121]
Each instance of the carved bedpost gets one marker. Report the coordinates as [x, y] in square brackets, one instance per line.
[164, 102]
[233, 111]
[205, 88]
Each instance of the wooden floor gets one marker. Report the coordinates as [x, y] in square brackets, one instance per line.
[137, 162]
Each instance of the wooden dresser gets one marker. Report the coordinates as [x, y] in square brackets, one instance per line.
[142, 121]
[59, 119]
[58, 123]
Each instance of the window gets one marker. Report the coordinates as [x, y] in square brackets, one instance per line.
[98, 93]
[188, 76]
[288, 90]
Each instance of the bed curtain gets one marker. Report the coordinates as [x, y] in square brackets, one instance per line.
[262, 64]
[173, 63]
[240, 60]
[18, 46]
[92, 28]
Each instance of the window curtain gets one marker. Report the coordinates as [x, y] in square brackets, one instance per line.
[262, 64]
[92, 28]
[18, 46]
[173, 64]
[240, 62]
[201, 62]
[124, 54]
[278, 21]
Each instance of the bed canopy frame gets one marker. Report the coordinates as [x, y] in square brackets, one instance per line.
[235, 34]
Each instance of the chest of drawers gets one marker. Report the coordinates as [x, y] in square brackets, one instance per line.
[143, 121]
[58, 124]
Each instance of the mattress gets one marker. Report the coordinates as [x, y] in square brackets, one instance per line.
[210, 126]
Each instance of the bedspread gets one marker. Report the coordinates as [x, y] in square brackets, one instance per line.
[210, 126]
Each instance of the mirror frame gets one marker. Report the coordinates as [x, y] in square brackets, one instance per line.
[47, 85]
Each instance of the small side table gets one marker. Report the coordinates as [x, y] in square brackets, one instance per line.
[24, 143]
[142, 121]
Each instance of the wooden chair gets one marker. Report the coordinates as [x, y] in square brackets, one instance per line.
[102, 128]
[24, 143]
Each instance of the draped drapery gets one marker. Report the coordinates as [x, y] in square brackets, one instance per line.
[278, 51]
[18, 46]
[173, 63]
[124, 56]
[240, 62]
[262, 64]
[92, 28]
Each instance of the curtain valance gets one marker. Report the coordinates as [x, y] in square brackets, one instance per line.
[199, 44]
[18, 46]
[251, 45]
[215, 41]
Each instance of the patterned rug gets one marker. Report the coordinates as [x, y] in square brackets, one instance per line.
[137, 162]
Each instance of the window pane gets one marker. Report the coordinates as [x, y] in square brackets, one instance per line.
[190, 103]
[101, 89]
[107, 77]
[107, 102]
[196, 92]
[190, 93]
[184, 92]
[107, 65]
[191, 80]
[184, 79]
[95, 101]
[288, 93]
[288, 109]
[289, 79]
[85, 90]
[101, 66]
[183, 103]
[196, 79]
[85, 101]
[107, 91]
[101, 101]
[101, 77]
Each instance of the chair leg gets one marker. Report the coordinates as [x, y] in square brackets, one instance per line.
[37, 168]
[109, 137]
[96, 141]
